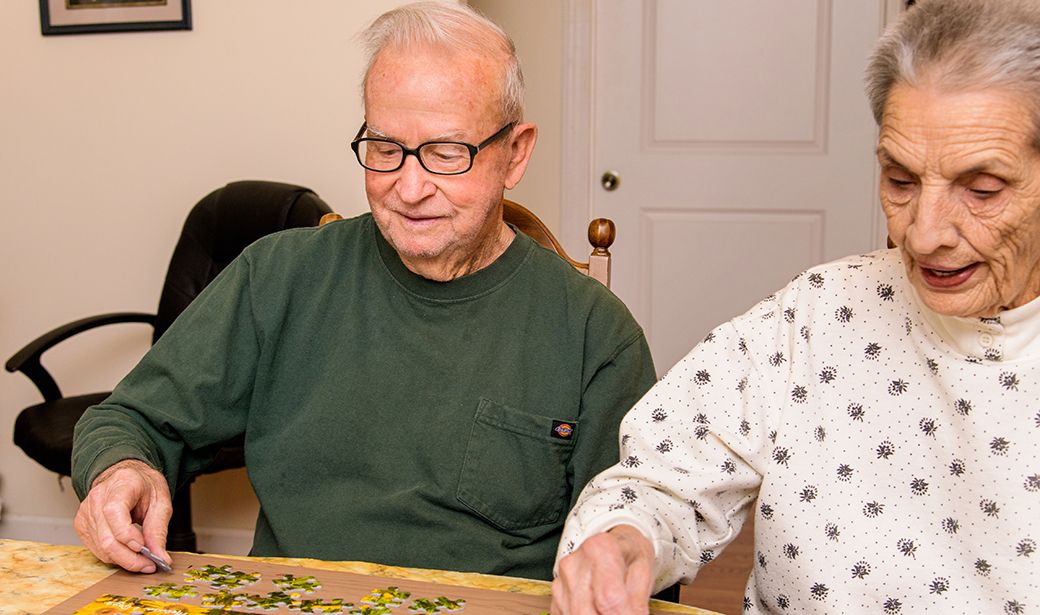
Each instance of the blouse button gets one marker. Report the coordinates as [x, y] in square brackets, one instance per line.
[986, 340]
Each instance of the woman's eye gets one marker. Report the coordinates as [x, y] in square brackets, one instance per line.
[898, 186]
[985, 186]
[984, 194]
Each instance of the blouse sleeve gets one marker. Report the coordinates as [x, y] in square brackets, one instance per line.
[695, 448]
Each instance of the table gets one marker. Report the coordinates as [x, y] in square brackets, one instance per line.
[36, 576]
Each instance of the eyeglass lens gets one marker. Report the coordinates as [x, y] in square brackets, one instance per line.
[435, 157]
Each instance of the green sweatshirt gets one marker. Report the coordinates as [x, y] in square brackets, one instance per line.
[387, 418]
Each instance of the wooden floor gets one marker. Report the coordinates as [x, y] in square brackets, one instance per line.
[719, 586]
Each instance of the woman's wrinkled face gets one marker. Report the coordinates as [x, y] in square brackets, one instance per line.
[960, 186]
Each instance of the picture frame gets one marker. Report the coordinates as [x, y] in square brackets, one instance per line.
[93, 16]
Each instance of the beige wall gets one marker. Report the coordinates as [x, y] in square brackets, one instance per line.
[106, 141]
[536, 27]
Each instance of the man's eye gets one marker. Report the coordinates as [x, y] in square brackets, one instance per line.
[444, 153]
[383, 149]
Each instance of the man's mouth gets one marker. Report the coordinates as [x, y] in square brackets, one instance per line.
[418, 218]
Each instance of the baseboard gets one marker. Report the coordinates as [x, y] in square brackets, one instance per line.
[50, 530]
[59, 531]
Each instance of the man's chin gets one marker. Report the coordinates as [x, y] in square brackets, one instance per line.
[415, 249]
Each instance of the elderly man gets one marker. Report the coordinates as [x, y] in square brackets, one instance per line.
[882, 410]
[419, 386]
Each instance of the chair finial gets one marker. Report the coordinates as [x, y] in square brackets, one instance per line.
[601, 235]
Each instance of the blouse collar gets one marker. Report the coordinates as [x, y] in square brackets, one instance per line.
[1011, 335]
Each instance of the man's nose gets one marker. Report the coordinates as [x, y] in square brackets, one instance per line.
[934, 224]
[413, 181]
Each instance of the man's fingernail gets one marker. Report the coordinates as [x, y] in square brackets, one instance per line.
[134, 546]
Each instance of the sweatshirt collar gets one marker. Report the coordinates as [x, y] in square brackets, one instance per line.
[464, 288]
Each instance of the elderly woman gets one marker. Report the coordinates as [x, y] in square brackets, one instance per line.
[883, 410]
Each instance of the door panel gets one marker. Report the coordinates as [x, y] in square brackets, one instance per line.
[744, 145]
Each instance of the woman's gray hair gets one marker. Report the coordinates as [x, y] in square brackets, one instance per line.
[960, 45]
[454, 26]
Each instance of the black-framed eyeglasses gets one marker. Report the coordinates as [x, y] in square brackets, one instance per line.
[437, 157]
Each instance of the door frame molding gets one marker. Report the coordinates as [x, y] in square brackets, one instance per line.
[579, 113]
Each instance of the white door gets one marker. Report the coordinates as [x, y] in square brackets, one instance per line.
[744, 147]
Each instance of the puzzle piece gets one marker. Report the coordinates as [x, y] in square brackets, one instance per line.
[423, 605]
[270, 602]
[319, 606]
[391, 596]
[369, 609]
[207, 572]
[446, 604]
[225, 599]
[289, 582]
[437, 605]
[171, 590]
[223, 577]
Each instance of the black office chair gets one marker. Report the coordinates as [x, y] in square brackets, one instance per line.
[216, 230]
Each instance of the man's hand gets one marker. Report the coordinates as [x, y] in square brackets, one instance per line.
[610, 574]
[128, 493]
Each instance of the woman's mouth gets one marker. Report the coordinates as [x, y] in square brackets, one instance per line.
[947, 277]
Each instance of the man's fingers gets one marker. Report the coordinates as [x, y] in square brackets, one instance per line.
[84, 526]
[156, 525]
[125, 557]
[113, 549]
[115, 514]
[127, 492]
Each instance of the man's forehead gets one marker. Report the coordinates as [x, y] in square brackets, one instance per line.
[447, 135]
[423, 93]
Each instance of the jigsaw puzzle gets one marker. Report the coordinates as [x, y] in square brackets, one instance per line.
[205, 585]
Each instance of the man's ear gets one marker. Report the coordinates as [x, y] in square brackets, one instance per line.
[521, 146]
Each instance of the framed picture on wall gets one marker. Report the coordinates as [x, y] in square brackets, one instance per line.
[87, 16]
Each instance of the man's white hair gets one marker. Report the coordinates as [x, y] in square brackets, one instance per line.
[454, 26]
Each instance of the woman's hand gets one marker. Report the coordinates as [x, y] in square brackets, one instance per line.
[610, 574]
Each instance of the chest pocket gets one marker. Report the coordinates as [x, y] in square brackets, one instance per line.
[514, 473]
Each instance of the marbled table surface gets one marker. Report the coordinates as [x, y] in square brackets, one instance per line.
[35, 576]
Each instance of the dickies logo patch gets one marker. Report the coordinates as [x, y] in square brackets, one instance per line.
[563, 430]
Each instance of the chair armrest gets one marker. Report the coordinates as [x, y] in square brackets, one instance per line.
[27, 360]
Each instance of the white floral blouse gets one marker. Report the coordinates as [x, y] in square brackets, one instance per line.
[891, 455]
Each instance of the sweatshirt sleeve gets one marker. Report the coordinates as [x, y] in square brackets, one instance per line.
[614, 388]
[190, 392]
[693, 451]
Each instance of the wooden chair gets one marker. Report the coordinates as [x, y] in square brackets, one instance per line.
[601, 235]
[719, 586]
